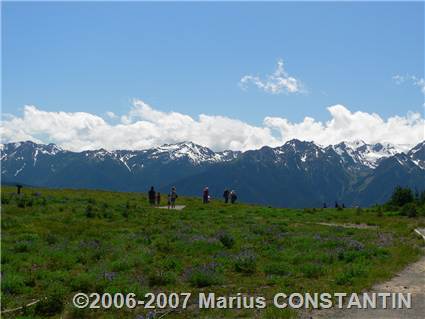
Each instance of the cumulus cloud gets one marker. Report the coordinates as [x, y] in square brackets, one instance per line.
[416, 81]
[345, 125]
[144, 127]
[277, 82]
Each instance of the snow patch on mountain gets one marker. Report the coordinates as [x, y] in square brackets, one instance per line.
[353, 154]
[20, 170]
[364, 154]
[124, 159]
[195, 153]
[50, 149]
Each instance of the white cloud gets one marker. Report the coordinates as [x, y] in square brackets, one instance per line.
[347, 126]
[416, 81]
[399, 79]
[143, 127]
[276, 83]
[420, 83]
[111, 115]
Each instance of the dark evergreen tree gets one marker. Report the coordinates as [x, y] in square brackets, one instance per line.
[401, 196]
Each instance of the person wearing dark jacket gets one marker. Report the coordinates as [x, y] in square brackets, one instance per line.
[205, 195]
[172, 196]
[226, 195]
[151, 196]
[233, 197]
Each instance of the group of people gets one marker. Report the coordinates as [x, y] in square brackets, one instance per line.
[230, 195]
[227, 194]
[155, 197]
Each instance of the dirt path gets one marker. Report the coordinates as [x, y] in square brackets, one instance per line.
[178, 207]
[358, 226]
[420, 232]
[411, 279]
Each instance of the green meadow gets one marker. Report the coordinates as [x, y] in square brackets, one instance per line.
[59, 242]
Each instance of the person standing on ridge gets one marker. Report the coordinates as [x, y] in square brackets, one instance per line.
[158, 198]
[151, 196]
[233, 197]
[205, 195]
[173, 196]
[226, 195]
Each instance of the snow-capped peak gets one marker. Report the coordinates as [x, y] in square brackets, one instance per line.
[195, 153]
[354, 144]
[305, 151]
[51, 149]
[100, 154]
[365, 154]
[357, 153]
[418, 148]
[417, 154]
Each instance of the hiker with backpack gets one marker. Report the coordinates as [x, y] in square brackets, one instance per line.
[205, 195]
[151, 196]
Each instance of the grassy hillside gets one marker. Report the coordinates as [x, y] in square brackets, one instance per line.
[58, 242]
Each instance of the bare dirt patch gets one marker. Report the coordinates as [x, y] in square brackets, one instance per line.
[358, 226]
[178, 207]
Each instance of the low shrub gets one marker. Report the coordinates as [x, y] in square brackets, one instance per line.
[311, 270]
[226, 239]
[53, 303]
[121, 265]
[348, 255]
[246, 262]
[126, 213]
[169, 263]
[12, 284]
[5, 200]
[162, 245]
[51, 239]
[20, 202]
[83, 282]
[409, 210]
[308, 211]
[277, 268]
[162, 278]
[22, 246]
[204, 276]
[90, 211]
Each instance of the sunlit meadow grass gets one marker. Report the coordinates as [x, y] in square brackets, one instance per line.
[58, 242]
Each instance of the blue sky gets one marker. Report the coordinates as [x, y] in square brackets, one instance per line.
[190, 57]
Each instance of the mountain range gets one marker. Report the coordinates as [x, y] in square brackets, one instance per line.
[296, 174]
